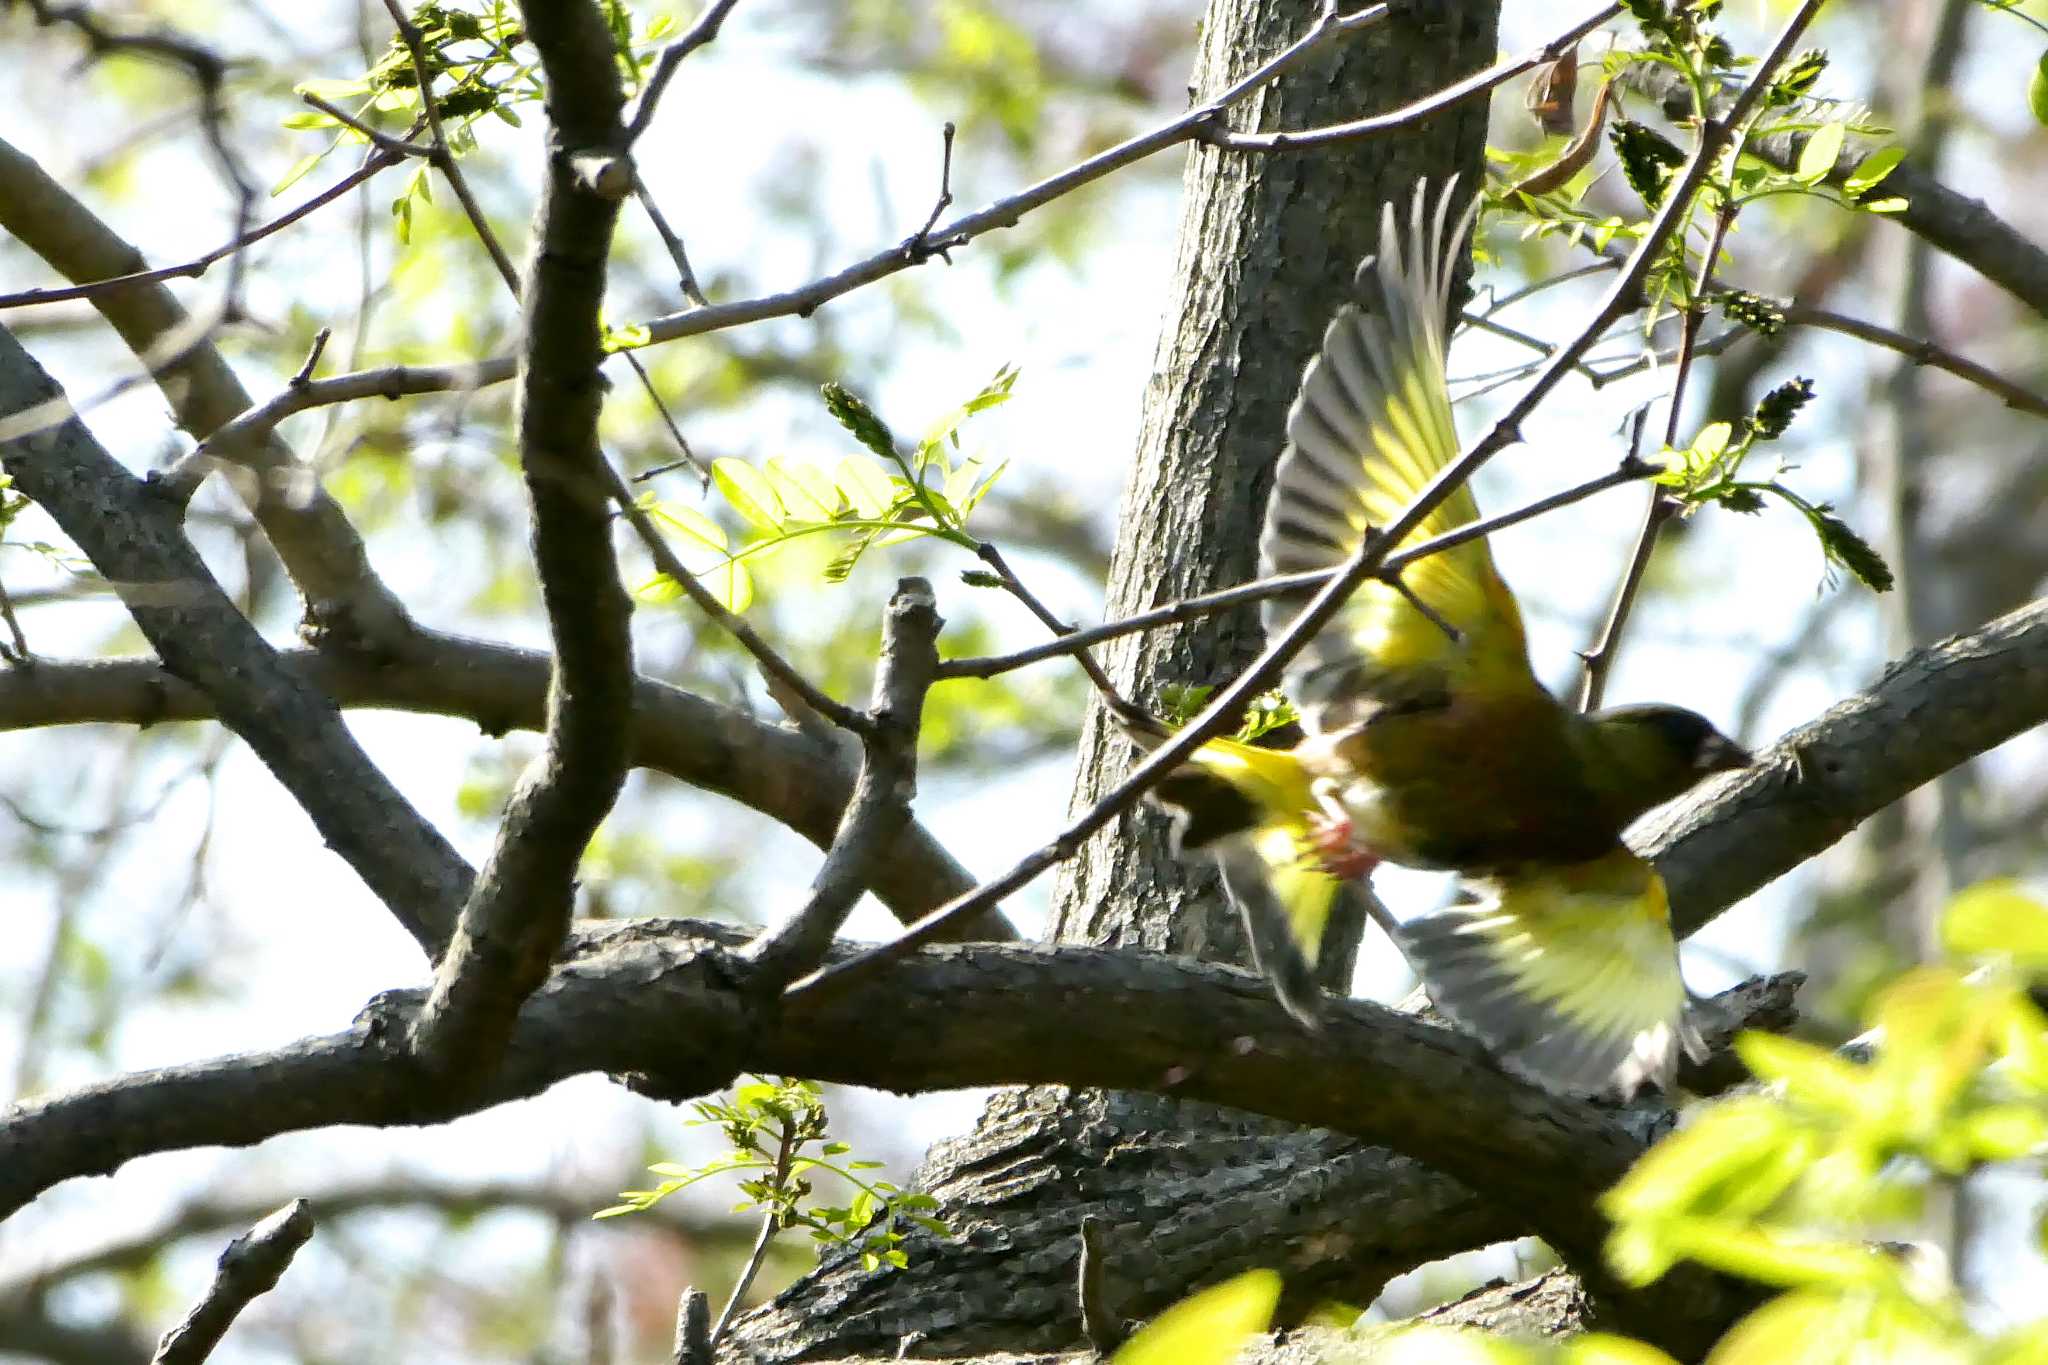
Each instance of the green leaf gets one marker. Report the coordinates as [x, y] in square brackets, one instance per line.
[867, 488]
[298, 172]
[1871, 171]
[2037, 90]
[1811, 1075]
[1895, 204]
[750, 494]
[1997, 919]
[1820, 153]
[1209, 1327]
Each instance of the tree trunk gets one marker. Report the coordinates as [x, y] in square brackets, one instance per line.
[1188, 1194]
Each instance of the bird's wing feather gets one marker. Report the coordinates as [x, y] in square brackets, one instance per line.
[1568, 974]
[1369, 430]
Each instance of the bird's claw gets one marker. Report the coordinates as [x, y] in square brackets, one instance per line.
[1330, 835]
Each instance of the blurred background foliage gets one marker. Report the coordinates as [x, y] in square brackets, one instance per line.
[169, 910]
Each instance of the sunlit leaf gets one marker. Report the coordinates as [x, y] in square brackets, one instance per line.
[748, 493]
[1820, 153]
[1206, 1328]
[1997, 919]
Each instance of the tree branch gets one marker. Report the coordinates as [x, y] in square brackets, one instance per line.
[656, 1000]
[1306, 139]
[1371, 555]
[320, 549]
[882, 793]
[777, 771]
[251, 1266]
[519, 910]
[1952, 222]
[133, 538]
[1928, 713]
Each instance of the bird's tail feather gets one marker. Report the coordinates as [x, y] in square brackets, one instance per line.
[1286, 903]
[1577, 992]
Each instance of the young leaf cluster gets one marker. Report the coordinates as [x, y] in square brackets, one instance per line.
[1791, 1187]
[778, 1139]
[878, 497]
[478, 63]
[1710, 471]
[1180, 703]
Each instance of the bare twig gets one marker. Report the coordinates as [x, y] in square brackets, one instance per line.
[1216, 135]
[920, 246]
[686, 278]
[251, 1266]
[304, 374]
[702, 32]
[771, 1223]
[395, 381]
[1368, 560]
[19, 654]
[689, 460]
[379, 160]
[993, 557]
[1598, 658]
[1194, 608]
[1922, 352]
[396, 146]
[882, 793]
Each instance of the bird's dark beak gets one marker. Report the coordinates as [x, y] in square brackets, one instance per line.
[1720, 754]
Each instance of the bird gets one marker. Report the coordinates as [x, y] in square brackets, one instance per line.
[1429, 741]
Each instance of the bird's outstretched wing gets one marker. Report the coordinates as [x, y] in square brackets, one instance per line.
[1249, 808]
[1369, 430]
[1568, 974]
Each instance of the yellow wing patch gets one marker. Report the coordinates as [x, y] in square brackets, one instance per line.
[1369, 430]
[1568, 974]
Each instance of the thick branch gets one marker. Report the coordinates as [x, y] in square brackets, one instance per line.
[320, 549]
[663, 1005]
[515, 918]
[780, 772]
[882, 793]
[1931, 711]
[133, 537]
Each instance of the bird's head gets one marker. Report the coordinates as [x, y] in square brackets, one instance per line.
[1656, 752]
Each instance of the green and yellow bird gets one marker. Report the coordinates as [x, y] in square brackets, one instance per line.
[1430, 743]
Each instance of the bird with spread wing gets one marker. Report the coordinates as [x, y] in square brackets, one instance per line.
[1430, 743]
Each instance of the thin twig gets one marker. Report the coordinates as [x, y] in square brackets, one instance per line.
[20, 654]
[397, 146]
[771, 1223]
[1194, 608]
[838, 712]
[1922, 352]
[993, 557]
[251, 1266]
[1598, 658]
[1370, 557]
[668, 420]
[304, 374]
[443, 156]
[686, 278]
[703, 31]
[379, 160]
[395, 381]
[1479, 82]
[920, 244]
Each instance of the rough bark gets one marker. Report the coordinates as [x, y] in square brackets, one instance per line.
[1267, 247]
